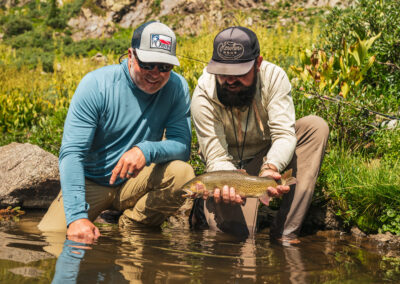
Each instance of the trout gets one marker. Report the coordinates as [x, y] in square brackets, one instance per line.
[244, 184]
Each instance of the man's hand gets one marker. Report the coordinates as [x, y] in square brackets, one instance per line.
[130, 164]
[83, 231]
[228, 194]
[272, 173]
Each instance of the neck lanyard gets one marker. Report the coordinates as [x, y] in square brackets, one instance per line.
[244, 138]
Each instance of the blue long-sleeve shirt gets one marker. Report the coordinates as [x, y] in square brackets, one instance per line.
[109, 115]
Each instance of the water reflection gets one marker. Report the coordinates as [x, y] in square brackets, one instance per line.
[176, 255]
[67, 266]
[144, 255]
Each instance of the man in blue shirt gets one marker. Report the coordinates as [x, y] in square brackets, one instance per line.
[125, 138]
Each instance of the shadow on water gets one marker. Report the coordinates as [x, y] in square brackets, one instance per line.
[176, 255]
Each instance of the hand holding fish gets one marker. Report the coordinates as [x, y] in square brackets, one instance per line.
[229, 194]
[271, 172]
[236, 186]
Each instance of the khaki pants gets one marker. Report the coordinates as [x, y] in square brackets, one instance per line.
[148, 199]
[312, 135]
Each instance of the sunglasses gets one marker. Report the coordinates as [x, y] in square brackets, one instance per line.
[162, 67]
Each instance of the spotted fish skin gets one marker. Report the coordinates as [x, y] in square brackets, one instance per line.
[244, 184]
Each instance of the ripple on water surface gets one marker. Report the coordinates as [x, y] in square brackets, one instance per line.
[175, 255]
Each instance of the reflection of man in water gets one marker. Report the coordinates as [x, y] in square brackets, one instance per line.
[244, 116]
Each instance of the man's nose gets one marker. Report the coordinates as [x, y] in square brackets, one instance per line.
[230, 79]
[155, 71]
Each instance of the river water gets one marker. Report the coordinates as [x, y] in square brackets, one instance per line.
[177, 255]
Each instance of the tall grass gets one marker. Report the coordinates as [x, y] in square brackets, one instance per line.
[34, 103]
[365, 191]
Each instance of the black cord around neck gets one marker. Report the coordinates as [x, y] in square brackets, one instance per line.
[244, 138]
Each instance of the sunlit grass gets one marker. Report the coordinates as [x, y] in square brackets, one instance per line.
[363, 189]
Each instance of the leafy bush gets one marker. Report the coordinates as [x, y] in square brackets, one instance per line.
[338, 78]
[386, 144]
[368, 18]
[336, 71]
[91, 46]
[42, 39]
[32, 57]
[17, 26]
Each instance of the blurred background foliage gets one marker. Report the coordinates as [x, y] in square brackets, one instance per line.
[342, 64]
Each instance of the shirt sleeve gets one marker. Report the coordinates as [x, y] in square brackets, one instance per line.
[177, 130]
[210, 133]
[79, 130]
[281, 122]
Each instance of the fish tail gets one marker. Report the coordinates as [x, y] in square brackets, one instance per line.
[287, 178]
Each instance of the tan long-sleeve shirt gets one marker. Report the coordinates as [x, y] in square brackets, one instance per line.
[270, 124]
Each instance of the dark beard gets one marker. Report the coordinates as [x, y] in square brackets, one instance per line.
[239, 99]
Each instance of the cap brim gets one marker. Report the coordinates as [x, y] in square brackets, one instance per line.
[156, 57]
[235, 69]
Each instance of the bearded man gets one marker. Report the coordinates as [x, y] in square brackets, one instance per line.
[244, 117]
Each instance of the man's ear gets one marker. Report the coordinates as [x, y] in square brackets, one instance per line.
[130, 52]
[259, 61]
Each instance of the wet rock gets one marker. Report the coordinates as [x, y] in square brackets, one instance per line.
[108, 217]
[320, 217]
[386, 238]
[29, 176]
[27, 271]
[356, 232]
[21, 250]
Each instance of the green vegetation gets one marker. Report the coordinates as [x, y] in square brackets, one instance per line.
[347, 77]
[341, 67]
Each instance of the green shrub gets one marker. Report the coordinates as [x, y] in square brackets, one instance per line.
[370, 84]
[17, 26]
[71, 9]
[31, 57]
[89, 46]
[368, 18]
[38, 38]
[56, 22]
[387, 144]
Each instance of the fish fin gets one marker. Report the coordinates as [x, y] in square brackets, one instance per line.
[287, 178]
[286, 175]
[265, 199]
[290, 181]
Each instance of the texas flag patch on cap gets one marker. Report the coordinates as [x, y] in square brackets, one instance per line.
[161, 42]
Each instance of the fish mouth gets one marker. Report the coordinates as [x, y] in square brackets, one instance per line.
[188, 192]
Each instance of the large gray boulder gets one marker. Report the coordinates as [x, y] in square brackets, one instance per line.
[29, 176]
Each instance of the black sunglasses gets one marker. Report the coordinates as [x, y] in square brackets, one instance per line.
[162, 67]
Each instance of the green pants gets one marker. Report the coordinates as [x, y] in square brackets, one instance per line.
[149, 198]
